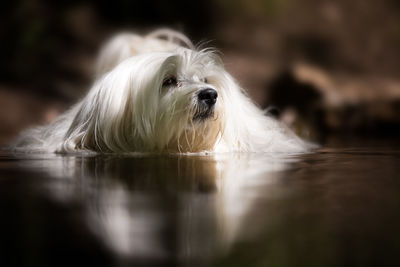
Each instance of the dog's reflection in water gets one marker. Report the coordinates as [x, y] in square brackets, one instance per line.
[163, 207]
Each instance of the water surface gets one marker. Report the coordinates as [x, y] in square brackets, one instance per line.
[336, 207]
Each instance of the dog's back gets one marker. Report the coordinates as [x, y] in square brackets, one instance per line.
[125, 45]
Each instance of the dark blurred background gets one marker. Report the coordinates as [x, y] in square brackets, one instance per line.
[330, 69]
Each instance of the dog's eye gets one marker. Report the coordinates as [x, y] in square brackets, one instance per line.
[170, 81]
[205, 80]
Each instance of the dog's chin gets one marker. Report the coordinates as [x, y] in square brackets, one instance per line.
[203, 115]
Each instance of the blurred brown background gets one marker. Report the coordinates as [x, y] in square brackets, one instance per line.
[327, 68]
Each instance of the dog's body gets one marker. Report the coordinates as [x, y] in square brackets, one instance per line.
[164, 98]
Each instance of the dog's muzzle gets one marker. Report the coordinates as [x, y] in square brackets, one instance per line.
[206, 101]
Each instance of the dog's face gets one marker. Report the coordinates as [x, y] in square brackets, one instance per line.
[167, 101]
[191, 102]
[202, 101]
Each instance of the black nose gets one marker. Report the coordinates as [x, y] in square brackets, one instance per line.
[208, 96]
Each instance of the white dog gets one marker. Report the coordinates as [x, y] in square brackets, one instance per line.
[155, 95]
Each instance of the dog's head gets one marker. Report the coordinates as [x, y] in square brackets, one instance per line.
[160, 101]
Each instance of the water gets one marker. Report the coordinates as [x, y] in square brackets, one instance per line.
[336, 207]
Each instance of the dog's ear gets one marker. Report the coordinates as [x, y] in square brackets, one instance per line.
[237, 112]
[246, 126]
[120, 110]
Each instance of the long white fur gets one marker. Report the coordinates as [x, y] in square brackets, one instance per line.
[128, 109]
